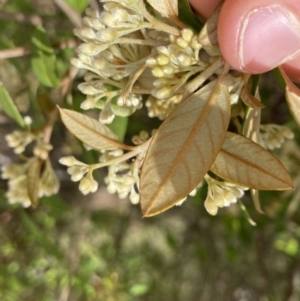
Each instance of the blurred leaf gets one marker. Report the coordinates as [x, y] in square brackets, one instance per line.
[63, 60]
[43, 59]
[183, 149]
[243, 162]
[90, 131]
[45, 103]
[56, 204]
[139, 290]
[119, 126]
[78, 5]
[43, 66]
[39, 235]
[40, 40]
[9, 107]
[33, 176]
[187, 16]
[167, 8]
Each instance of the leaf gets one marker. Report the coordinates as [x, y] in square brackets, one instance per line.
[90, 131]
[167, 8]
[292, 93]
[183, 149]
[9, 107]
[248, 99]
[45, 102]
[43, 65]
[187, 16]
[33, 175]
[246, 163]
[78, 5]
[40, 40]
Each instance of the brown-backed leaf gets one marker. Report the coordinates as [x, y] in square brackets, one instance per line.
[248, 99]
[251, 128]
[246, 163]
[167, 8]
[292, 93]
[33, 183]
[90, 131]
[183, 149]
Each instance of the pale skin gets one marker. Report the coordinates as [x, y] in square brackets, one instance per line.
[258, 35]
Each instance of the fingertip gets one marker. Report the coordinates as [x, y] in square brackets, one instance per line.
[204, 7]
[256, 36]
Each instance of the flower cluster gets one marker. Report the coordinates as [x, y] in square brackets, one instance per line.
[82, 172]
[134, 56]
[221, 194]
[18, 175]
[273, 135]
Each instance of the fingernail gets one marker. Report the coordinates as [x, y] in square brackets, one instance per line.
[269, 35]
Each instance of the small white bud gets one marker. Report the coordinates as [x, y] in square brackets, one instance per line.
[162, 60]
[27, 120]
[210, 206]
[187, 34]
[107, 34]
[162, 93]
[92, 49]
[158, 72]
[182, 43]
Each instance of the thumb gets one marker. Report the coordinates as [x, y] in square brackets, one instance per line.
[256, 36]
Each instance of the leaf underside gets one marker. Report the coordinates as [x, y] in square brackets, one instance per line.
[33, 175]
[90, 131]
[292, 93]
[243, 162]
[183, 149]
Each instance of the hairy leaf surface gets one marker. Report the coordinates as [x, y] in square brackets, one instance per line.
[292, 93]
[183, 149]
[90, 131]
[243, 162]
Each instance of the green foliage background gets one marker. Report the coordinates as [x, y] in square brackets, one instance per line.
[98, 247]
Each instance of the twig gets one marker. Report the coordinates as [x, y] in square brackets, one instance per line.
[22, 51]
[70, 12]
[19, 17]
[34, 20]
[14, 52]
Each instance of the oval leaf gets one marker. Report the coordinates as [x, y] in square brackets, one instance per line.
[246, 163]
[90, 131]
[33, 183]
[183, 149]
[292, 93]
